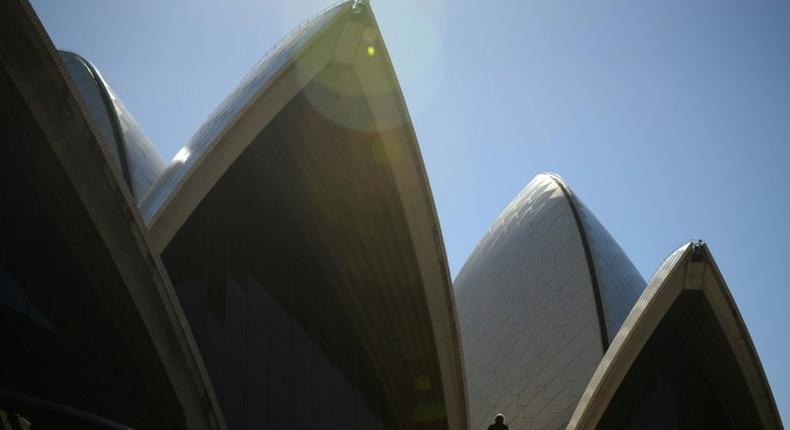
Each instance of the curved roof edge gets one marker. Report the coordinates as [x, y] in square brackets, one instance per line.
[389, 107]
[232, 126]
[684, 270]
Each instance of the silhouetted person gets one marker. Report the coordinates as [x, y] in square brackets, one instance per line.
[499, 423]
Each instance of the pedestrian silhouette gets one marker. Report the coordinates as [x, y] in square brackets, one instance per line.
[499, 423]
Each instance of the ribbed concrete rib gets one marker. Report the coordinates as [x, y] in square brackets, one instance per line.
[589, 259]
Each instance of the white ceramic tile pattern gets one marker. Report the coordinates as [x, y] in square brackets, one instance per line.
[529, 322]
[528, 319]
[145, 164]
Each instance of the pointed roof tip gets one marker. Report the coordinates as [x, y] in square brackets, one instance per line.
[552, 175]
[356, 5]
[697, 247]
[559, 180]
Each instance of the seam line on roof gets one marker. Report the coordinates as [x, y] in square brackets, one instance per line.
[109, 106]
[590, 264]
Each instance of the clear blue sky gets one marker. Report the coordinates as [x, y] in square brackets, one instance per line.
[671, 119]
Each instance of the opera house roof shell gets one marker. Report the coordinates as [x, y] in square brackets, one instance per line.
[537, 300]
[287, 269]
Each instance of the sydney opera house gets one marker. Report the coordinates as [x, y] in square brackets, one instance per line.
[286, 270]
